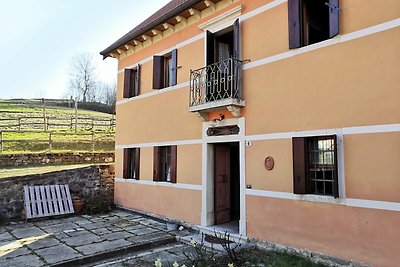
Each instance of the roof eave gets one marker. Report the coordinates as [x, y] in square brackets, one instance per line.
[106, 52]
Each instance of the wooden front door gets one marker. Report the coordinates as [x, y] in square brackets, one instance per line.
[222, 184]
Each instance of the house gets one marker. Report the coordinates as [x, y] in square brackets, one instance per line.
[276, 119]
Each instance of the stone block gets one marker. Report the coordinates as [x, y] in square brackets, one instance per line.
[57, 254]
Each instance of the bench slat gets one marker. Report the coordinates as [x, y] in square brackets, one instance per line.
[38, 202]
[49, 200]
[59, 199]
[69, 199]
[33, 202]
[44, 201]
[28, 211]
[54, 199]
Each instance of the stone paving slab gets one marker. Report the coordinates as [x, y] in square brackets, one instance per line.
[44, 243]
[57, 254]
[23, 261]
[103, 246]
[82, 239]
[167, 253]
[73, 240]
[27, 232]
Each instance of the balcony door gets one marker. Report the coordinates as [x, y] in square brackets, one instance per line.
[222, 51]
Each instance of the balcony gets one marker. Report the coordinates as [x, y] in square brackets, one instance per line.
[217, 86]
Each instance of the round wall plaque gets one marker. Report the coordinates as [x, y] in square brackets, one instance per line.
[269, 163]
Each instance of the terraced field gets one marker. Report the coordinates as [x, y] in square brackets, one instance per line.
[26, 127]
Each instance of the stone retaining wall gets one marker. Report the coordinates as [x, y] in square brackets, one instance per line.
[94, 184]
[9, 160]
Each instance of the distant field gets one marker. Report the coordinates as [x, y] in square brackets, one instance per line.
[24, 129]
[24, 170]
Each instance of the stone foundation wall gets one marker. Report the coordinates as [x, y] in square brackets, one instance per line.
[92, 183]
[9, 160]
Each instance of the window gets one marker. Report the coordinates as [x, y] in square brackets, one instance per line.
[315, 165]
[131, 163]
[165, 70]
[132, 82]
[312, 21]
[164, 169]
[223, 63]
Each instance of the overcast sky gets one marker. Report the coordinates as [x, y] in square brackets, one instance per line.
[39, 38]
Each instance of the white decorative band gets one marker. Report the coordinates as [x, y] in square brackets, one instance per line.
[352, 202]
[154, 92]
[165, 184]
[170, 143]
[384, 128]
[336, 40]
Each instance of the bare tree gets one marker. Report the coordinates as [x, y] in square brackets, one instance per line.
[83, 78]
[107, 93]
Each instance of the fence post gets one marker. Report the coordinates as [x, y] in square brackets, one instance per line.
[1, 142]
[76, 115]
[19, 123]
[44, 114]
[92, 141]
[92, 125]
[50, 142]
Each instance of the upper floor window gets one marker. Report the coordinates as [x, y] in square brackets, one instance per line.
[165, 70]
[131, 163]
[315, 165]
[164, 168]
[312, 21]
[132, 82]
[223, 44]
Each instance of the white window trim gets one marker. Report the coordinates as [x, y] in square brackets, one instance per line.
[222, 21]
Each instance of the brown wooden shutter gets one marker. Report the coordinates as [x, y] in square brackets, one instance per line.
[125, 164]
[236, 39]
[158, 72]
[336, 184]
[174, 76]
[294, 8]
[333, 18]
[137, 81]
[127, 82]
[299, 165]
[173, 163]
[210, 48]
[156, 164]
[137, 167]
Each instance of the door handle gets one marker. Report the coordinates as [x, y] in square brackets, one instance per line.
[224, 178]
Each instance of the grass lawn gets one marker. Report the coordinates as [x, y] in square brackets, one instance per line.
[24, 134]
[31, 108]
[276, 259]
[23, 170]
[62, 141]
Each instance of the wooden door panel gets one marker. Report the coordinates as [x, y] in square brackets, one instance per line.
[222, 179]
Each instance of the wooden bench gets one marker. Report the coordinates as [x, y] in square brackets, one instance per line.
[47, 200]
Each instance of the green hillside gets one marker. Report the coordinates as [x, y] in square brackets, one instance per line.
[25, 128]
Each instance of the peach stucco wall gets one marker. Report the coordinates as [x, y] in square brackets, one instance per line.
[353, 83]
[367, 235]
[174, 203]
[372, 164]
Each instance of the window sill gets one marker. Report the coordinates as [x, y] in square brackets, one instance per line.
[319, 198]
[164, 182]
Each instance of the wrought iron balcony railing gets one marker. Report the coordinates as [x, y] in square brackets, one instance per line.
[215, 83]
